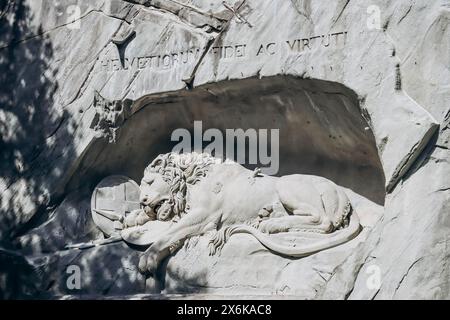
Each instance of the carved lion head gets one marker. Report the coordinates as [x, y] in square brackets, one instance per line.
[164, 185]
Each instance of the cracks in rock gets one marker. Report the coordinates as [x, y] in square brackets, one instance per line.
[112, 16]
[231, 286]
[190, 15]
[41, 34]
[108, 288]
[376, 294]
[404, 16]
[401, 171]
[358, 268]
[196, 10]
[443, 189]
[340, 13]
[446, 121]
[300, 12]
[236, 14]
[406, 274]
[4, 12]
[357, 272]
[131, 82]
[398, 78]
[391, 220]
[441, 147]
[190, 81]
[122, 46]
[56, 129]
[320, 274]
[138, 72]
[83, 84]
[82, 87]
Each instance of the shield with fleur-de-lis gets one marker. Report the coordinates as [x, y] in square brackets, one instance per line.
[113, 198]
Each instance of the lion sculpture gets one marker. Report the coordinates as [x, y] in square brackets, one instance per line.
[197, 193]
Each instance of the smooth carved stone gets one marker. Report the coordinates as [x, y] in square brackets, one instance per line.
[114, 198]
[147, 234]
[312, 206]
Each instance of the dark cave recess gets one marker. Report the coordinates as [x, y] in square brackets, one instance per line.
[321, 130]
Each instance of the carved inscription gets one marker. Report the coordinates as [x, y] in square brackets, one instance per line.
[154, 61]
[326, 40]
[172, 60]
[229, 52]
[168, 61]
[333, 40]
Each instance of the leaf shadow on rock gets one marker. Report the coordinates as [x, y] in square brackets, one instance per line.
[36, 135]
[177, 280]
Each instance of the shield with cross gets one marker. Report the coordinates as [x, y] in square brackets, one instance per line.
[113, 198]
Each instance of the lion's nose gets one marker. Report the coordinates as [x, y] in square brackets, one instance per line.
[144, 200]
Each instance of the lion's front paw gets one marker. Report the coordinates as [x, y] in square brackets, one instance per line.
[272, 226]
[149, 261]
[136, 218]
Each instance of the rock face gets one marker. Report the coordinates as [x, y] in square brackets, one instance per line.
[359, 94]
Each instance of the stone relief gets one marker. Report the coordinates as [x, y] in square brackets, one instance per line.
[109, 116]
[112, 199]
[272, 234]
[184, 195]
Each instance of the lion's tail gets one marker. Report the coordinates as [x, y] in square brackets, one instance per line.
[329, 241]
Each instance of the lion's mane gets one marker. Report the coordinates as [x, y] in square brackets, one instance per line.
[180, 170]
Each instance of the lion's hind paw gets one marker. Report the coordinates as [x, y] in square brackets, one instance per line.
[219, 239]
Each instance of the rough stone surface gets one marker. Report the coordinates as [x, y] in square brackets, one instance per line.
[70, 223]
[377, 102]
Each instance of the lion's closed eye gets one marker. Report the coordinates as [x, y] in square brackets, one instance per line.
[148, 180]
